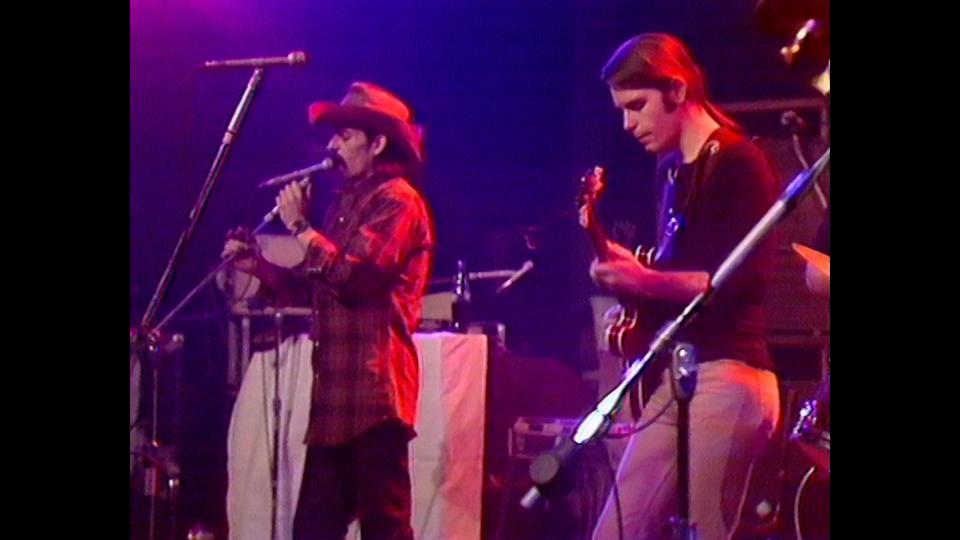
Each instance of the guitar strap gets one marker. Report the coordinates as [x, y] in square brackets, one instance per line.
[670, 222]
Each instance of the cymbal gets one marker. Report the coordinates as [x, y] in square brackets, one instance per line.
[820, 261]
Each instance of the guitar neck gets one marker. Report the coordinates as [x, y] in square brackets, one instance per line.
[598, 237]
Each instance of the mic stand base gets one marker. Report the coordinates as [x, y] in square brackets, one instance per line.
[681, 529]
[161, 471]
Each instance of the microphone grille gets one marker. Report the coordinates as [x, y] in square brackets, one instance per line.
[297, 57]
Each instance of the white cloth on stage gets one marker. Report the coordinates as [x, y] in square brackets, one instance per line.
[446, 457]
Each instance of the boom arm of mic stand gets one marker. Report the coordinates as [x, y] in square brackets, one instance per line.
[597, 422]
[203, 283]
[270, 216]
[233, 129]
[799, 187]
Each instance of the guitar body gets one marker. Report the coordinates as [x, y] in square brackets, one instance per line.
[627, 337]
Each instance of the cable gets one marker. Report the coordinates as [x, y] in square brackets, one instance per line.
[796, 502]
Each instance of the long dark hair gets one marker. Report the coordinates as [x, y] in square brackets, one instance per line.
[655, 60]
[394, 160]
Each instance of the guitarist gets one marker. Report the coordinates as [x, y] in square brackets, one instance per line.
[714, 185]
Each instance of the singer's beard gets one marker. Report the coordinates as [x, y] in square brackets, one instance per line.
[358, 177]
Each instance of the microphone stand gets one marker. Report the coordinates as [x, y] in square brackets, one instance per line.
[549, 471]
[210, 276]
[148, 338]
[476, 276]
[160, 462]
[461, 287]
[683, 371]
[463, 277]
[213, 176]
[278, 320]
[275, 458]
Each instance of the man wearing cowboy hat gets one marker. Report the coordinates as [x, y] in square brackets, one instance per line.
[365, 270]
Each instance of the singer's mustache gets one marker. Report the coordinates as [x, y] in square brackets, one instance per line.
[335, 157]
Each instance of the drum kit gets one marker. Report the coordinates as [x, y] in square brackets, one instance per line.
[812, 430]
[808, 52]
[796, 465]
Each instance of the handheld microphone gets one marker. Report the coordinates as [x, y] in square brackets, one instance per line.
[325, 165]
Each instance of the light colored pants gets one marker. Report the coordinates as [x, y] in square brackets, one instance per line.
[733, 415]
[250, 441]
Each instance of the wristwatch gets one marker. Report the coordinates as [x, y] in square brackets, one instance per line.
[299, 226]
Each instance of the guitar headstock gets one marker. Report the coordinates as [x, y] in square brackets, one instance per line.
[591, 186]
